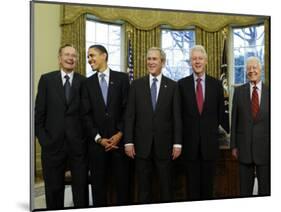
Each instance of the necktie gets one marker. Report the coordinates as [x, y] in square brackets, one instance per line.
[67, 88]
[104, 87]
[255, 103]
[153, 90]
[199, 95]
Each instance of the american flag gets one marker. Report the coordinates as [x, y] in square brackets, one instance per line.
[130, 69]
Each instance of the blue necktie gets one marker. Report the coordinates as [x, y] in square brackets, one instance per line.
[67, 88]
[153, 90]
[104, 87]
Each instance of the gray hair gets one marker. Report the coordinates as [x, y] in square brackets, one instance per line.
[162, 53]
[254, 59]
[199, 48]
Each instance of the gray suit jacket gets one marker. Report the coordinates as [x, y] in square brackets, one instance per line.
[251, 138]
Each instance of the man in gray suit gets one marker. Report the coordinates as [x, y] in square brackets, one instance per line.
[153, 127]
[250, 142]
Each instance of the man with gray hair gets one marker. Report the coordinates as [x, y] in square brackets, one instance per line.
[153, 127]
[250, 142]
[202, 104]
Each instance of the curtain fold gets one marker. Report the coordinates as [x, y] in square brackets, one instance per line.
[266, 50]
[74, 33]
[141, 40]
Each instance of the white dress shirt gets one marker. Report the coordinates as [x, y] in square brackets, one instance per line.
[63, 75]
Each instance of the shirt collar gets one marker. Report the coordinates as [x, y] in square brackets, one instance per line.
[159, 77]
[203, 77]
[258, 85]
[69, 74]
[105, 72]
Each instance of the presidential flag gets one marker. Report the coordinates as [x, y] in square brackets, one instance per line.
[130, 61]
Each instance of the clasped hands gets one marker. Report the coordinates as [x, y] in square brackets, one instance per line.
[111, 143]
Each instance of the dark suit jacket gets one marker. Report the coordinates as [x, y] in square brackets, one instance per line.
[251, 138]
[200, 132]
[98, 117]
[56, 123]
[143, 125]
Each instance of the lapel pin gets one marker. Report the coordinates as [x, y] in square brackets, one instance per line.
[111, 83]
[165, 86]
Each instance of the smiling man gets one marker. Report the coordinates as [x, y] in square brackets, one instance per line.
[58, 129]
[202, 104]
[250, 131]
[153, 127]
[104, 99]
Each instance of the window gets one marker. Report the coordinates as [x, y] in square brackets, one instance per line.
[108, 35]
[176, 45]
[247, 42]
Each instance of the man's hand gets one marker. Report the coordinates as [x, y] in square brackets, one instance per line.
[176, 152]
[107, 144]
[130, 151]
[234, 152]
[114, 141]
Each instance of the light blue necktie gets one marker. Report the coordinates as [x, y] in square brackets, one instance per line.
[104, 87]
[153, 90]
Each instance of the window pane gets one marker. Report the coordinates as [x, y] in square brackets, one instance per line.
[239, 56]
[247, 42]
[102, 33]
[239, 74]
[108, 35]
[90, 31]
[114, 53]
[114, 35]
[176, 45]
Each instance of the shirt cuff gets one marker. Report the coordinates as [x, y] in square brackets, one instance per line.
[97, 137]
[129, 144]
[177, 145]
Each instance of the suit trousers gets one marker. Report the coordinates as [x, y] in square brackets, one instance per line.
[200, 179]
[144, 171]
[54, 167]
[107, 166]
[247, 179]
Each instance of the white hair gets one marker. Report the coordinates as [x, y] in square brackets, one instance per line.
[199, 48]
[254, 59]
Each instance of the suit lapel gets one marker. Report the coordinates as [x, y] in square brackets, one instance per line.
[59, 87]
[111, 84]
[97, 88]
[162, 92]
[263, 101]
[193, 95]
[147, 93]
[247, 100]
[208, 94]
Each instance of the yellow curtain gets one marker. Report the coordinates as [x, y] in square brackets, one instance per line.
[74, 33]
[213, 43]
[147, 19]
[266, 50]
[141, 40]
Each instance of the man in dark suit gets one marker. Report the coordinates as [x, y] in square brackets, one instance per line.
[250, 131]
[58, 129]
[153, 127]
[202, 104]
[104, 99]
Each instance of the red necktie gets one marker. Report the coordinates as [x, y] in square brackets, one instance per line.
[255, 103]
[199, 95]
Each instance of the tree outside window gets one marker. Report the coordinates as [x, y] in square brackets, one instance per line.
[176, 44]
